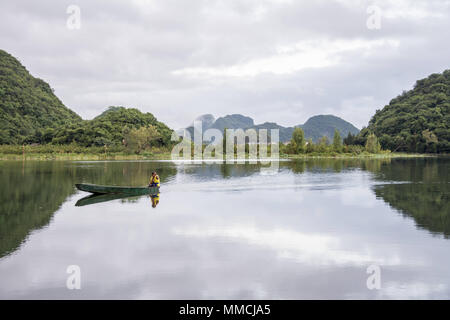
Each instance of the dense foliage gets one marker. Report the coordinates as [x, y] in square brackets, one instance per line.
[298, 145]
[416, 121]
[28, 106]
[110, 129]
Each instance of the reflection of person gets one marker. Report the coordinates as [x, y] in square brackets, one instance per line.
[154, 180]
[155, 199]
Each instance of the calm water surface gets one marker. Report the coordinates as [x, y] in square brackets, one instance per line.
[228, 231]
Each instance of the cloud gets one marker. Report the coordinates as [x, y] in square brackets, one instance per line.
[292, 58]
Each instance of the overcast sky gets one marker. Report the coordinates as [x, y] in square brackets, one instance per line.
[273, 60]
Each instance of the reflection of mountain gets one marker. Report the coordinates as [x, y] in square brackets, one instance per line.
[425, 196]
[31, 193]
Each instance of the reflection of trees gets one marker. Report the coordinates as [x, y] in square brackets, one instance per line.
[425, 194]
[427, 204]
[332, 165]
[421, 192]
[207, 171]
[124, 173]
[32, 191]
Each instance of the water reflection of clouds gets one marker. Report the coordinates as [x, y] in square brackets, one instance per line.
[414, 290]
[313, 249]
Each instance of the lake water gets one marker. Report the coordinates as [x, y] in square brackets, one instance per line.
[228, 231]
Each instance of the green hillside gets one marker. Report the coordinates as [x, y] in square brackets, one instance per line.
[418, 120]
[31, 113]
[108, 128]
[28, 106]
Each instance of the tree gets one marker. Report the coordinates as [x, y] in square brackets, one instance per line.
[298, 140]
[225, 141]
[337, 143]
[323, 144]
[429, 136]
[137, 140]
[431, 141]
[372, 144]
[310, 146]
[349, 140]
[291, 147]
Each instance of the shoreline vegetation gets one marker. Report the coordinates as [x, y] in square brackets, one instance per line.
[77, 153]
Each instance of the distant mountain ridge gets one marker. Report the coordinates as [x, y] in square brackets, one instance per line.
[315, 127]
[323, 125]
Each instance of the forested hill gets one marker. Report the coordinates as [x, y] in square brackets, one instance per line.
[31, 113]
[418, 120]
[109, 128]
[28, 106]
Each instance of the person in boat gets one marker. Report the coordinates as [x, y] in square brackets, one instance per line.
[154, 180]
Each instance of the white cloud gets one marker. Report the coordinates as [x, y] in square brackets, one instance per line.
[292, 58]
[357, 109]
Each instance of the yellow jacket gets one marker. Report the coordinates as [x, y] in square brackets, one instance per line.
[154, 181]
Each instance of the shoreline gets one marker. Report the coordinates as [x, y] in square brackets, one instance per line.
[167, 156]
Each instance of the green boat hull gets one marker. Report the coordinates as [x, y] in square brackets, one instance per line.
[93, 188]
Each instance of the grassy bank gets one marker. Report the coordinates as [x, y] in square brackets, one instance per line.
[73, 152]
[167, 156]
[86, 157]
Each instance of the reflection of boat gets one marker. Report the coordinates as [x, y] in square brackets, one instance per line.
[93, 188]
[98, 198]
[108, 193]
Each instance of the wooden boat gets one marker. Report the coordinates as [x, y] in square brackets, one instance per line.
[93, 188]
